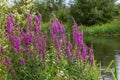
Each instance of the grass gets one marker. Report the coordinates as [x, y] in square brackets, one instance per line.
[108, 29]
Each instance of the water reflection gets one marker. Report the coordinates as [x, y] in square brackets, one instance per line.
[104, 51]
[103, 48]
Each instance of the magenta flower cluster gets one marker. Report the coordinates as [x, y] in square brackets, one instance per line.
[32, 41]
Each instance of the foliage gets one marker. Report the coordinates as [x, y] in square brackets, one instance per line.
[91, 12]
[108, 29]
[28, 55]
[114, 73]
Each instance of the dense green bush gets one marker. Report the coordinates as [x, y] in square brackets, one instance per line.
[91, 12]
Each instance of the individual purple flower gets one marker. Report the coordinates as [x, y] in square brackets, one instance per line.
[22, 61]
[7, 61]
[29, 19]
[16, 42]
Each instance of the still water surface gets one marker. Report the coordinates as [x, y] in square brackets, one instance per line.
[106, 49]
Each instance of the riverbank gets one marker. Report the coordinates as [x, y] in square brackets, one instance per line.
[108, 29]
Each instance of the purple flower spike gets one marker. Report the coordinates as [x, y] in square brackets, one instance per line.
[22, 61]
[90, 54]
[36, 30]
[91, 57]
[8, 63]
[37, 20]
[40, 16]
[51, 30]
[10, 23]
[27, 37]
[8, 26]
[12, 19]
[29, 19]
[16, 42]
[84, 51]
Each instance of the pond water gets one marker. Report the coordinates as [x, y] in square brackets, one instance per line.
[106, 49]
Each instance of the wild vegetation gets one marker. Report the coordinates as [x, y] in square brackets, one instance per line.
[27, 55]
[35, 46]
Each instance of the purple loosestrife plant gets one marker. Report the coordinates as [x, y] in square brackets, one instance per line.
[51, 31]
[58, 43]
[37, 26]
[40, 17]
[77, 36]
[57, 33]
[16, 43]
[36, 54]
[9, 24]
[84, 51]
[27, 37]
[91, 57]
[29, 19]
[68, 51]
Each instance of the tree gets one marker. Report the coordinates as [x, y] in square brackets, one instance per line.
[91, 12]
